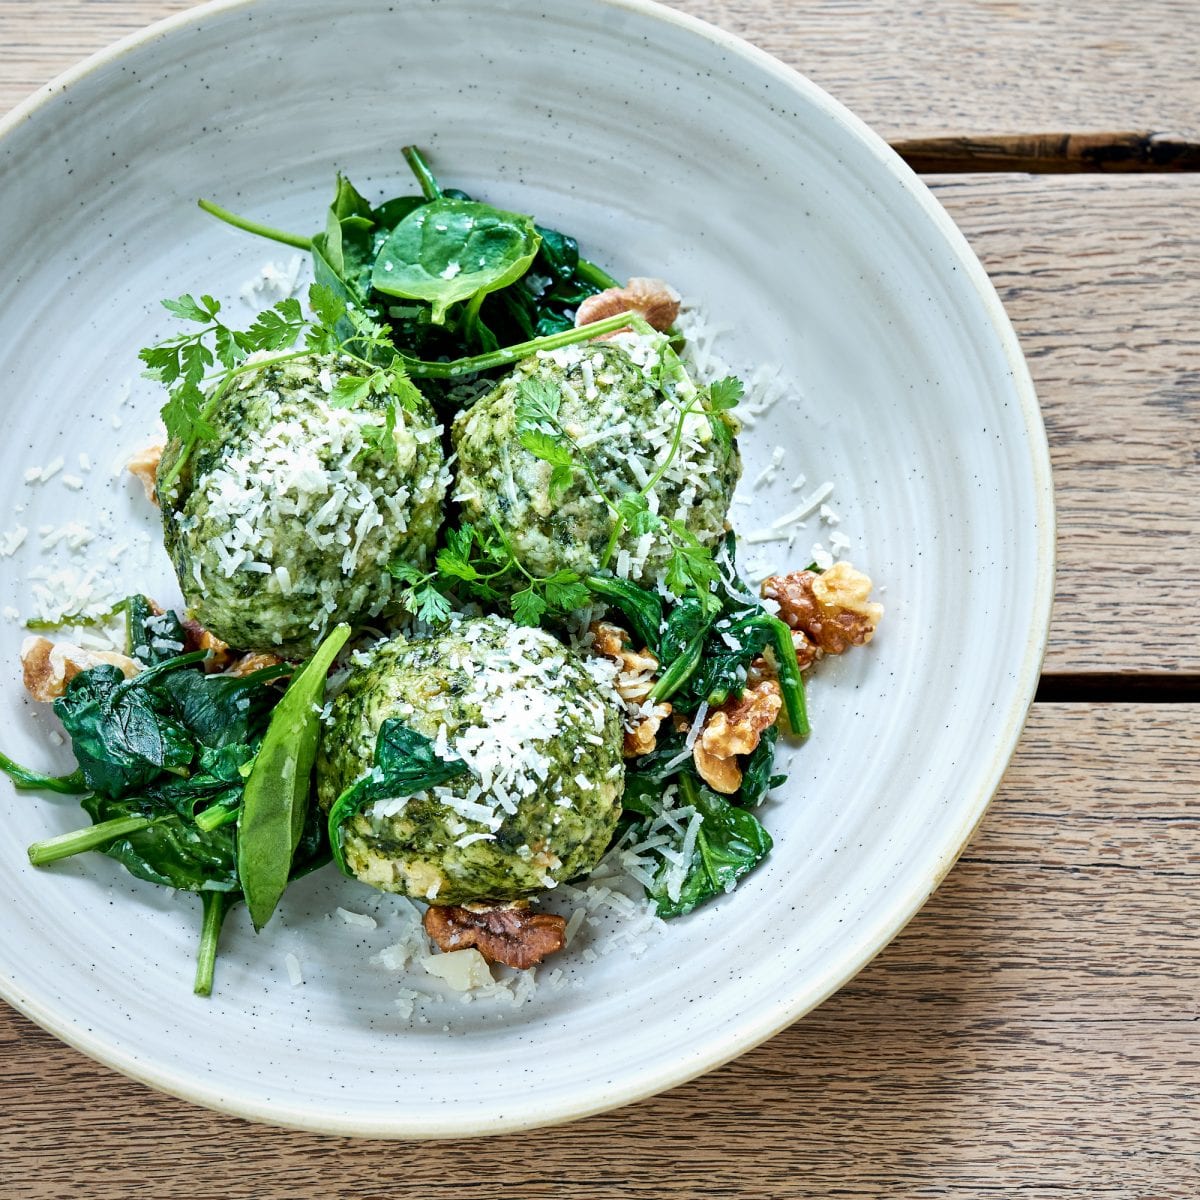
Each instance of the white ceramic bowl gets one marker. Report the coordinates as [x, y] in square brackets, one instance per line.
[669, 148]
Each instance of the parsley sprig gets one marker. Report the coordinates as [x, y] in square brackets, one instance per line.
[482, 566]
[541, 432]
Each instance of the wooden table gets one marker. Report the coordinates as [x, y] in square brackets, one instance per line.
[1036, 1030]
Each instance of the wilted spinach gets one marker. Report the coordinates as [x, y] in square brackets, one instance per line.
[405, 762]
[473, 277]
[174, 757]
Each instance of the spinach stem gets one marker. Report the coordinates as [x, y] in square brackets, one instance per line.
[26, 780]
[680, 671]
[505, 357]
[430, 188]
[264, 231]
[216, 905]
[95, 837]
[791, 681]
[77, 618]
[596, 276]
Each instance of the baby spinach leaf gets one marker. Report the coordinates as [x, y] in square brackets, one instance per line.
[448, 251]
[151, 637]
[168, 849]
[222, 710]
[275, 801]
[405, 762]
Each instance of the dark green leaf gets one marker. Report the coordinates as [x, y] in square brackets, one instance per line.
[447, 251]
[640, 607]
[405, 762]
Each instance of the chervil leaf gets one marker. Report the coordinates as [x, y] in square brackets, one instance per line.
[326, 305]
[195, 358]
[528, 607]
[405, 571]
[189, 309]
[691, 565]
[547, 447]
[229, 349]
[162, 361]
[276, 328]
[538, 400]
[430, 605]
[565, 592]
[635, 511]
[349, 391]
[456, 564]
[725, 393]
[183, 413]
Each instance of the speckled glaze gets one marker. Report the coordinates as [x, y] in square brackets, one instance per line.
[670, 149]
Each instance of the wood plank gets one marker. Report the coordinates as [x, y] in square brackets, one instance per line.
[1034, 1030]
[1101, 277]
[948, 66]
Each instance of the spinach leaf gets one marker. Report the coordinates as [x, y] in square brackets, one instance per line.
[448, 251]
[343, 255]
[275, 801]
[729, 843]
[123, 731]
[151, 637]
[222, 710]
[757, 775]
[169, 849]
[639, 606]
[405, 763]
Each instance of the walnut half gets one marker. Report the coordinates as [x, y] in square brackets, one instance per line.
[47, 667]
[833, 610]
[734, 729]
[512, 934]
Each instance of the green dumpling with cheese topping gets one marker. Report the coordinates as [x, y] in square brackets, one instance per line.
[622, 419]
[539, 730]
[282, 523]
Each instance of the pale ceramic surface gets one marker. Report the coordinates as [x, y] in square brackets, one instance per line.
[669, 149]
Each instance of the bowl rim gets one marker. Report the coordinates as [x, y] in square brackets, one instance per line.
[841, 971]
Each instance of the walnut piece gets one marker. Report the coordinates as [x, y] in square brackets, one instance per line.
[723, 775]
[220, 656]
[49, 666]
[143, 466]
[512, 934]
[735, 728]
[643, 737]
[638, 670]
[249, 663]
[833, 610]
[657, 301]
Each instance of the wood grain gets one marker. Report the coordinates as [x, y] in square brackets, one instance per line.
[911, 70]
[1036, 1030]
[1102, 282]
